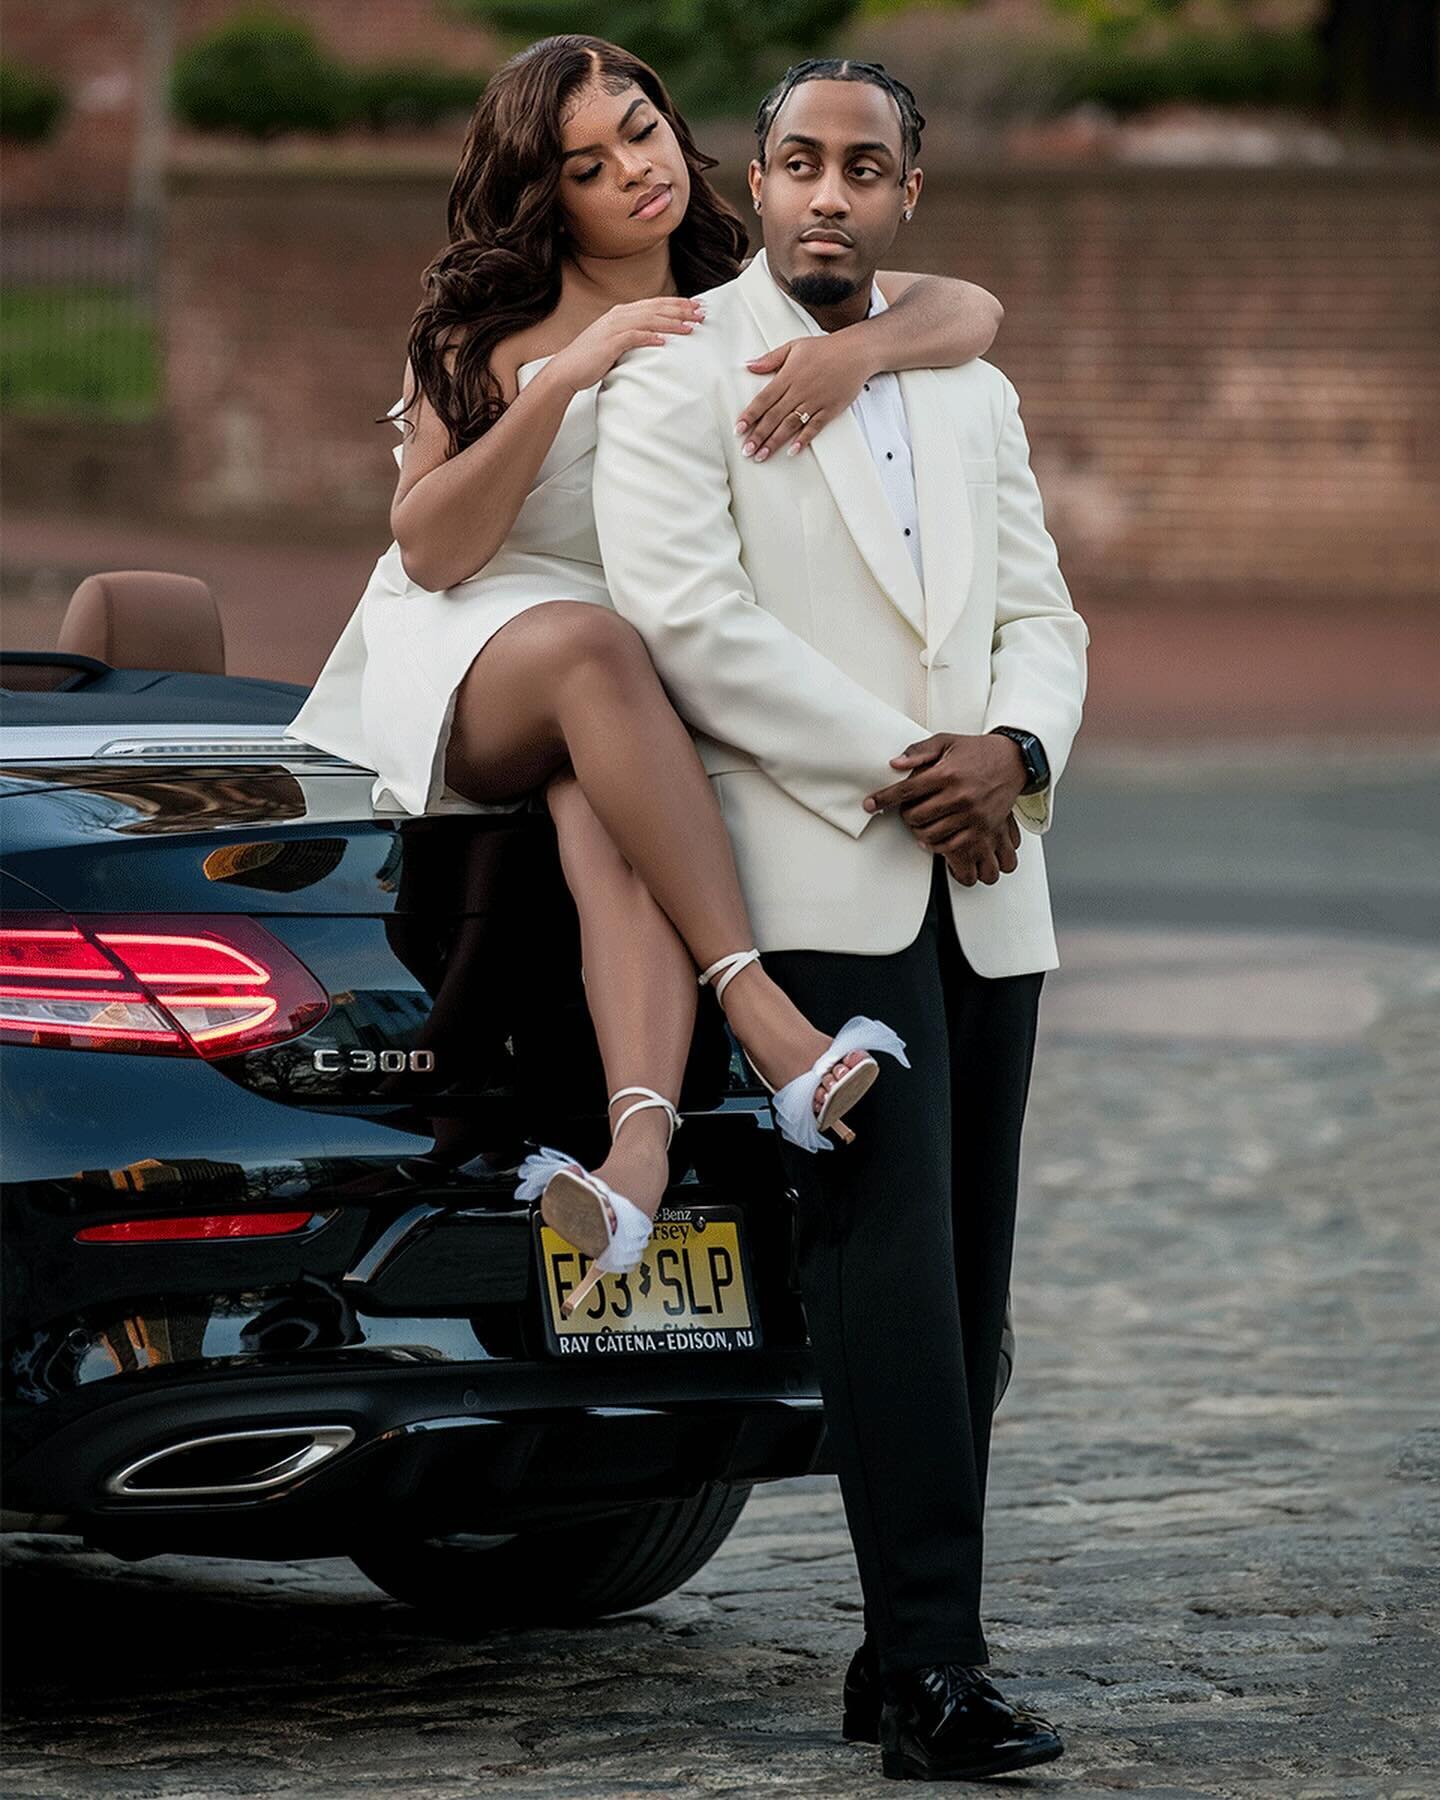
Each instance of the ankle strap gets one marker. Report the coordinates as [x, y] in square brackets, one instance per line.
[649, 1104]
[731, 965]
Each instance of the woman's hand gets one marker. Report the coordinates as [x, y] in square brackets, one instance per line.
[600, 346]
[930, 322]
[819, 376]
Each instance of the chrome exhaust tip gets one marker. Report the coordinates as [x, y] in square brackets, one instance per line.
[230, 1462]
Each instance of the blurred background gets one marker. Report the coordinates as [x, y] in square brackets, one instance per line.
[1215, 227]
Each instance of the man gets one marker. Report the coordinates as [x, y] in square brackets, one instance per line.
[876, 649]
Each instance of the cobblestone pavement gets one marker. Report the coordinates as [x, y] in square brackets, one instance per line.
[1213, 1533]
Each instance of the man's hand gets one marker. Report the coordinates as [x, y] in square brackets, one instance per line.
[957, 798]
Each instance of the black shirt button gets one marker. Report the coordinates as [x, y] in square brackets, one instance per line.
[889, 456]
[907, 531]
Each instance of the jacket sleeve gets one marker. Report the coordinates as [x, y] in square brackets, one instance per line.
[1037, 654]
[674, 568]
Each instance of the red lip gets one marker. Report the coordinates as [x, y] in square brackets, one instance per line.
[654, 193]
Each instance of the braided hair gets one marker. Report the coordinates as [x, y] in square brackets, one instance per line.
[845, 68]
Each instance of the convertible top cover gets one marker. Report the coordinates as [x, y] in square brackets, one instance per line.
[155, 696]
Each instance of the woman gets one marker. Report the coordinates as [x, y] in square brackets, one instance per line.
[484, 662]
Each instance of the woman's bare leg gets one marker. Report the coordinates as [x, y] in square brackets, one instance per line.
[567, 681]
[639, 986]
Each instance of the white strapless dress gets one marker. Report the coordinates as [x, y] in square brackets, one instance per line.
[385, 698]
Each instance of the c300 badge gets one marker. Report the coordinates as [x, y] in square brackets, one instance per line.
[373, 1062]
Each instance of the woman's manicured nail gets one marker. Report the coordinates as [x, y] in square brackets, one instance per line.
[795, 448]
[760, 455]
[749, 450]
[742, 428]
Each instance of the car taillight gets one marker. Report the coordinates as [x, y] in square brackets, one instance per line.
[198, 1228]
[171, 985]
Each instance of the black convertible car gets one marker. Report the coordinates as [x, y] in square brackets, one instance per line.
[270, 1062]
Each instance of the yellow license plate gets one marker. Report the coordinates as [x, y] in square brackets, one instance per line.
[691, 1291]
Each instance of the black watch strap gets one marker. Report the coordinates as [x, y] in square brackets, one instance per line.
[1037, 764]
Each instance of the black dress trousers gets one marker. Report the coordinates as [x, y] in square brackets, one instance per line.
[905, 1241]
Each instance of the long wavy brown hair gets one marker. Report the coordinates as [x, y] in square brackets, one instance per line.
[501, 270]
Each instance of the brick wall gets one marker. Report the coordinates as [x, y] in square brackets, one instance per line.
[288, 304]
[1230, 375]
[1231, 378]
[93, 48]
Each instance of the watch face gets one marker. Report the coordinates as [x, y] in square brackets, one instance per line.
[1037, 769]
[1036, 766]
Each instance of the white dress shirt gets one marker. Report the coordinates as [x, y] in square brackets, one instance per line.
[880, 409]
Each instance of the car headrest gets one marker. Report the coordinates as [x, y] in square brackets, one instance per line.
[145, 619]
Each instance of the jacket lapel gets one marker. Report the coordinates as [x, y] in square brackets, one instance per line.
[947, 533]
[845, 461]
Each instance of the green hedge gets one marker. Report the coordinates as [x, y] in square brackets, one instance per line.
[31, 104]
[715, 56]
[263, 72]
[1252, 68]
[410, 96]
[259, 74]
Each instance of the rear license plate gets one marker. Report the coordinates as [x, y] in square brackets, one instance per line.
[690, 1293]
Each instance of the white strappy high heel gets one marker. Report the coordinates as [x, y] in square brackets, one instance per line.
[580, 1206]
[795, 1102]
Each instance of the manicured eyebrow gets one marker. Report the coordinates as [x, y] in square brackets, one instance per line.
[595, 149]
[794, 137]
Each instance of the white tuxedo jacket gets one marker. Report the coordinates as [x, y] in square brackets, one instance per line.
[783, 612]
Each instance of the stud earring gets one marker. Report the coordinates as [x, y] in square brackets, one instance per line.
[756, 205]
[909, 214]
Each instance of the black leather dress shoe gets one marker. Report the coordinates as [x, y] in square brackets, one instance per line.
[948, 1723]
[863, 1696]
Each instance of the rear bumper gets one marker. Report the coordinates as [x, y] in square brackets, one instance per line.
[473, 1446]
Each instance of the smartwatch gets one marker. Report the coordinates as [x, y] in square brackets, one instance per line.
[1037, 768]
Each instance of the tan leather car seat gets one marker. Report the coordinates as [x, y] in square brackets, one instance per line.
[145, 619]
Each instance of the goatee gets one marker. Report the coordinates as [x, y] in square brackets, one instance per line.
[822, 290]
